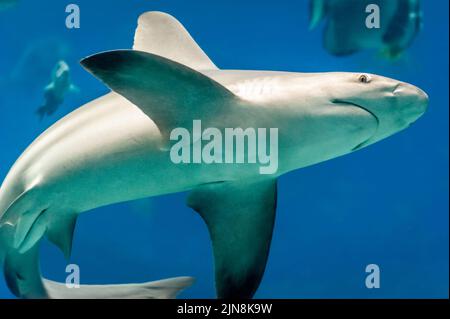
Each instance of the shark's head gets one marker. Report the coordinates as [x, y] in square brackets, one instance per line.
[333, 114]
[394, 104]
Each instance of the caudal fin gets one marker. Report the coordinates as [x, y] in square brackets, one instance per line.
[26, 223]
[161, 289]
[23, 278]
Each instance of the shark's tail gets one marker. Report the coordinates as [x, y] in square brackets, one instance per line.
[162, 289]
[23, 278]
[21, 263]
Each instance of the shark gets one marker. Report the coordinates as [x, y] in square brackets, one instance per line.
[116, 148]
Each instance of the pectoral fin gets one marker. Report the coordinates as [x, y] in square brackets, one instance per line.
[240, 218]
[172, 94]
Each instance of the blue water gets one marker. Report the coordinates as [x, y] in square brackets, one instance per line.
[386, 204]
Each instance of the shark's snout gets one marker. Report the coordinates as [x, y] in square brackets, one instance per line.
[414, 101]
[395, 104]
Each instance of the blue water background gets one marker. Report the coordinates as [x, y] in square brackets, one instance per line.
[386, 204]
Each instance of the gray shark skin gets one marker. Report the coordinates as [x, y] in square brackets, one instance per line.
[346, 31]
[56, 90]
[115, 149]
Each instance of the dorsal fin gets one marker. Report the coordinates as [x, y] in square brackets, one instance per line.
[161, 34]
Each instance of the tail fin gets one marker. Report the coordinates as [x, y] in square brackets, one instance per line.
[161, 289]
[161, 34]
[23, 278]
[21, 262]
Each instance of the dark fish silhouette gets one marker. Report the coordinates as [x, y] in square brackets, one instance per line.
[56, 90]
[346, 31]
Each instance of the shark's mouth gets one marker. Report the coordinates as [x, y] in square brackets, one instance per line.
[367, 141]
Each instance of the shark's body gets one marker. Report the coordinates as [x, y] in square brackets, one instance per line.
[346, 31]
[116, 148]
[57, 89]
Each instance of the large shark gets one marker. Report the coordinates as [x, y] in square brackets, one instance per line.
[116, 148]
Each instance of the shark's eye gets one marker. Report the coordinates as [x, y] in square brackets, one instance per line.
[364, 78]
